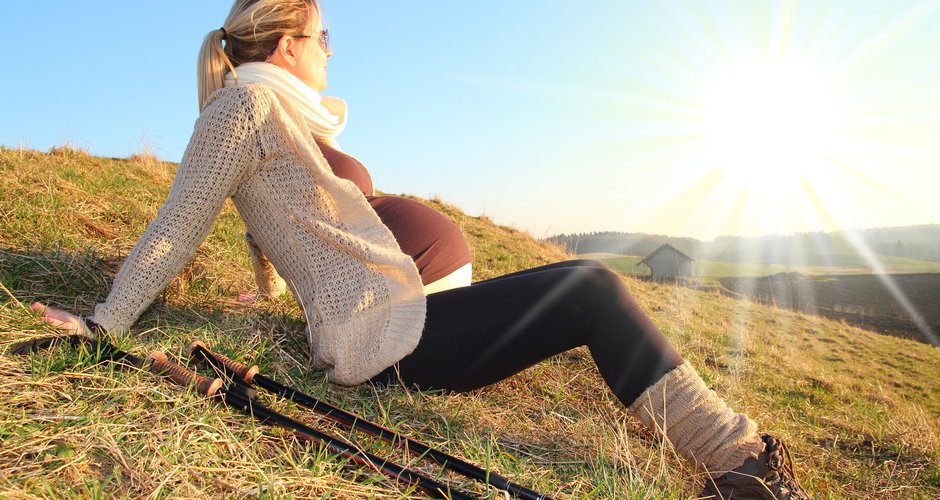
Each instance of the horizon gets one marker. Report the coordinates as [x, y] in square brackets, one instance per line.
[729, 118]
[855, 230]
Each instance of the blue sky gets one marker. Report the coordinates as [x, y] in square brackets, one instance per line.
[686, 118]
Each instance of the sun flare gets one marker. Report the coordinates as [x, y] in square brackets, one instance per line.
[770, 127]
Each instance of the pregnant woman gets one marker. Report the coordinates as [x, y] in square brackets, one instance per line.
[357, 264]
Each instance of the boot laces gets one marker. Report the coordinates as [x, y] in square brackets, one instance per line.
[778, 460]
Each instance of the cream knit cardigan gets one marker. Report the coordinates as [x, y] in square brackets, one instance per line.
[361, 296]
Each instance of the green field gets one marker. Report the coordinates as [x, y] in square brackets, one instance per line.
[623, 263]
[860, 411]
[885, 302]
[814, 265]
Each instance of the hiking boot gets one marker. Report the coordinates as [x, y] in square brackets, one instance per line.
[767, 477]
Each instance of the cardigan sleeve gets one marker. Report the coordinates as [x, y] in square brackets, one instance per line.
[223, 151]
[270, 283]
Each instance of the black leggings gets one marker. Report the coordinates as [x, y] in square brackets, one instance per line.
[478, 335]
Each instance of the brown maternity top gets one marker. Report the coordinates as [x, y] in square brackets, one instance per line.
[436, 244]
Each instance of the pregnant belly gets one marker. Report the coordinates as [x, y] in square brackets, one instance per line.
[436, 244]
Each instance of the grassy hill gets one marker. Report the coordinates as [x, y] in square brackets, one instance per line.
[861, 411]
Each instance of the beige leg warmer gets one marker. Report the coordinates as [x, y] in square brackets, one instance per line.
[698, 423]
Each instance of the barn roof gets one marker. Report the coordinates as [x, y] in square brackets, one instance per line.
[660, 249]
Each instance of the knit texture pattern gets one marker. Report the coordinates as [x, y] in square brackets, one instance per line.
[698, 423]
[360, 295]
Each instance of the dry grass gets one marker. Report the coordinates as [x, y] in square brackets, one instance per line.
[149, 161]
[860, 411]
[68, 150]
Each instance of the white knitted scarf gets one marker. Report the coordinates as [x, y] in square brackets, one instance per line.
[323, 123]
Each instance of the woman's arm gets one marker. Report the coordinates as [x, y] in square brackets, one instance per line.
[270, 284]
[222, 152]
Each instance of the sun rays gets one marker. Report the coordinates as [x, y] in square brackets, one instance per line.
[770, 129]
[774, 121]
[772, 118]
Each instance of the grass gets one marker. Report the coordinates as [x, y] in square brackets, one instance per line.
[813, 265]
[860, 411]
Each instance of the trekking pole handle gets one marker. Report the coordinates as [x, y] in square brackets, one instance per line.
[200, 352]
[158, 363]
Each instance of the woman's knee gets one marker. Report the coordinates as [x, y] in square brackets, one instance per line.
[605, 276]
[599, 283]
[587, 263]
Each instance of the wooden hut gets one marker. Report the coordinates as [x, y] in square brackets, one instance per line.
[668, 262]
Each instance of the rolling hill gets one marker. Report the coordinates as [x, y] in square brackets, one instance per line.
[860, 411]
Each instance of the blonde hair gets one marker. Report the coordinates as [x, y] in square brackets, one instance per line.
[251, 32]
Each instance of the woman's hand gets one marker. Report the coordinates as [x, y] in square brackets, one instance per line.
[62, 320]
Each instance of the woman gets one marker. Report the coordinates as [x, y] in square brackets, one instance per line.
[264, 138]
[435, 244]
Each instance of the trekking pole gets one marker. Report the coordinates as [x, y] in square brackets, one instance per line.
[101, 349]
[266, 415]
[155, 363]
[250, 375]
[158, 363]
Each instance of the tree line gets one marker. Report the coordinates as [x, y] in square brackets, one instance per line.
[913, 242]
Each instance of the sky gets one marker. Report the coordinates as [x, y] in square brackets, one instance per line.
[694, 118]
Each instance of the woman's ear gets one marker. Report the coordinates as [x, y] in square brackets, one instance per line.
[285, 52]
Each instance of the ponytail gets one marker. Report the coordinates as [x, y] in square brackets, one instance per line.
[212, 65]
[252, 29]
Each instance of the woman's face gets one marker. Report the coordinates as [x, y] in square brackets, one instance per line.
[305, 58]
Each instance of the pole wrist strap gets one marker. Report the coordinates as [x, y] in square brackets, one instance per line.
[93, 328]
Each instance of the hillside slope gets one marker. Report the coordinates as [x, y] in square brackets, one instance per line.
[860, 411]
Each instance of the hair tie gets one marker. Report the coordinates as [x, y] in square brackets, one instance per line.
[224, 33]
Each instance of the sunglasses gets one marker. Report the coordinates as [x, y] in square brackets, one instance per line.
[323, 39]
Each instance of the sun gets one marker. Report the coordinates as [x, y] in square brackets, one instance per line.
[770, 127]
